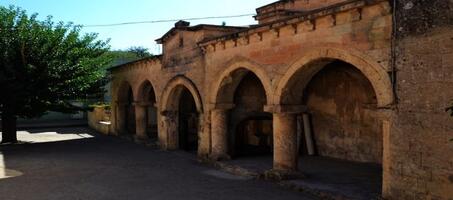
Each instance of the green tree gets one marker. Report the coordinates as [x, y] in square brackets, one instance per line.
[123, 56]
[43, 65]
[140, 52]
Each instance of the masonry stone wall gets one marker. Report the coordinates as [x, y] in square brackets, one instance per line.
[181, 48]
[421, 146]
[267, 52]
[422, 152]
[267, 14]
[312, 4]
[275, 50]
[98, 120]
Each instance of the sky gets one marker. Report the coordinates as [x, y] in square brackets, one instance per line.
[91, 12]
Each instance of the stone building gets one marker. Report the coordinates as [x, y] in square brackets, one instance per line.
[358, 80]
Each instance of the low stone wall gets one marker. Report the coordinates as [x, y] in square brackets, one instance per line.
[99, 120]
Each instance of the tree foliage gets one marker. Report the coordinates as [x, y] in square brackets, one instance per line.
[140, 52]
[124, 56]
[44, 64]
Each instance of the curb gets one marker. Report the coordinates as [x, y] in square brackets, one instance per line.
[236, 170]
[267, 176]
[318, 193]
[44, 126]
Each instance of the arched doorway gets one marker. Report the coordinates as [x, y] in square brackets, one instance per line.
[251, 133]
[181, 109]
[125, 110]
[344, 114]
[188, 122]
[147, 101]
[343, 95]
[240, 126]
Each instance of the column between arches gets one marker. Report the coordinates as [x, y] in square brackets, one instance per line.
[286, 148]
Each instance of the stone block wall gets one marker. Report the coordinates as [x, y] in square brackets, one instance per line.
[421, 147]
[273, 49]
[99, 120]
[287, 8]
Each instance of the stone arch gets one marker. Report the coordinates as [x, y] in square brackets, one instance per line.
[142, 89]
[146, 111]
[122, 91]
[313, 61]
[124, 111]
[180, 128]
[173, 89]
[231, 102]
[290, 92]
[225, 86]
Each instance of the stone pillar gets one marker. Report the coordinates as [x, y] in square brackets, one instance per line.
[386, 159]
[204, 139]
[285, 142]
[140, 122]
[219, 134]
[169, 130]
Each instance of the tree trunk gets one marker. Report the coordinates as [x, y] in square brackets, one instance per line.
[9, 129]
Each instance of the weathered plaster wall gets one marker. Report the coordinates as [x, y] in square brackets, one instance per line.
[344, 113]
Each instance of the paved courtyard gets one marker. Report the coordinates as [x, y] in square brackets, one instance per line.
[76, 163]
[328, 176]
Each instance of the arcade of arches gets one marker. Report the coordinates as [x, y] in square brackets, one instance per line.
[328, 107]
[313, 84]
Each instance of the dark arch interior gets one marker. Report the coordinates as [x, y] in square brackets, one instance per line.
[188, 122]
[251, 134]
[130, 112]
[343, 108]
[149, 98]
